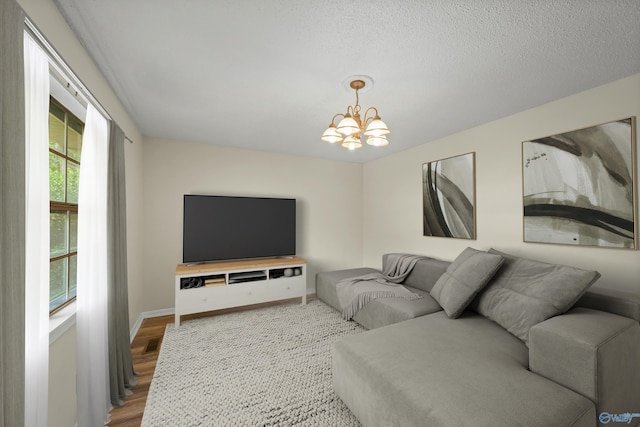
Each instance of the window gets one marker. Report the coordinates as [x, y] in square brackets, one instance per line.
[65, 145]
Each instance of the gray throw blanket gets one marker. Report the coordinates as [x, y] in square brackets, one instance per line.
[355, 292]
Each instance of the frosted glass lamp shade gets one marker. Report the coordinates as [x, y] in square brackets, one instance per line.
[376, 128]
[377, 141]
[352, 142]
[348, 126]
[330, 135]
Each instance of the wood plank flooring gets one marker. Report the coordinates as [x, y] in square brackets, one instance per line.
[130, 415]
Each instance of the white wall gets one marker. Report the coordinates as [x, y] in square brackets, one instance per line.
[393, 193]
[328, 193]
[62, 380]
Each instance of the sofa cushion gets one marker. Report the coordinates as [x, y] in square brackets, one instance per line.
[435, 371]
[464, 278]
[326, 283]
[386, 311]
[379, 312]
[425, 273]
[524, 293]
[614, 301]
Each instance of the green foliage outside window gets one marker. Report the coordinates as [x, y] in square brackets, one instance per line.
[65, 146]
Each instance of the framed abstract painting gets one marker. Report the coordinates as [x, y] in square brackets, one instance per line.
[449, 197]
[579, 187]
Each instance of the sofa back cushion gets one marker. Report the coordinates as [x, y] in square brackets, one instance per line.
[464, 278]
[524, 293]
[425, 273]
[614, 301]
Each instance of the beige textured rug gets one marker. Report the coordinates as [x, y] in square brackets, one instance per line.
[264, 367]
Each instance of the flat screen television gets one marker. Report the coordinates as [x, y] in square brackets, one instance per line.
[217, 228]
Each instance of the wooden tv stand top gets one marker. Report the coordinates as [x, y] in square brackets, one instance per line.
[237, 265]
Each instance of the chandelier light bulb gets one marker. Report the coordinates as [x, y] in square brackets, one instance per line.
[377, 127]
[377, 141]
[348, 126]
[330, 135]
[352, 142]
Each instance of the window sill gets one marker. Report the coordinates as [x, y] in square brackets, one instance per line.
[61, 322]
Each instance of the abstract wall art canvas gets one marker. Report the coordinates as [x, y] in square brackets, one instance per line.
[448, 197]
[579, 187]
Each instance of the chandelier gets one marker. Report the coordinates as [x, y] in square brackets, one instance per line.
[350, 129]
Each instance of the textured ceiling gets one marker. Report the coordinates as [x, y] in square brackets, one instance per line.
[267, 74]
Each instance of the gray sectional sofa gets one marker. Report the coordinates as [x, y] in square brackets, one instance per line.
[417, 366]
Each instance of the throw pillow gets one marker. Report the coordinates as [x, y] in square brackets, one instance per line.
[526, 292]
[463, 279]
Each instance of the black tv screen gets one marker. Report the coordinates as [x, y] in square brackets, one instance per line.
[220, 228]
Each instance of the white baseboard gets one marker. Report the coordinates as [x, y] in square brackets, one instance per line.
[147, 315]
[170, 312]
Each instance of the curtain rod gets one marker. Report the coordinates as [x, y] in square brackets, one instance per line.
[62, 67]
[62, 70]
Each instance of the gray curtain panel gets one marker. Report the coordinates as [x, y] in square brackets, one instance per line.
[12, 215]
[121, 374]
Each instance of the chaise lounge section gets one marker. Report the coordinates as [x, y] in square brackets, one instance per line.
[386, 311]
[417, 366]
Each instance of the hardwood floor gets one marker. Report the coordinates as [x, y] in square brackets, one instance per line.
[144, 363]
[130, 415]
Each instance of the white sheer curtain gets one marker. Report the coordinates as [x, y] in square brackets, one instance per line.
[37, 233]
[92, 296]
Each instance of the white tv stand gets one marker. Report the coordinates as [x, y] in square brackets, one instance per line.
[213, 286]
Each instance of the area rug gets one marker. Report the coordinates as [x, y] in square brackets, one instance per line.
[263, 367]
